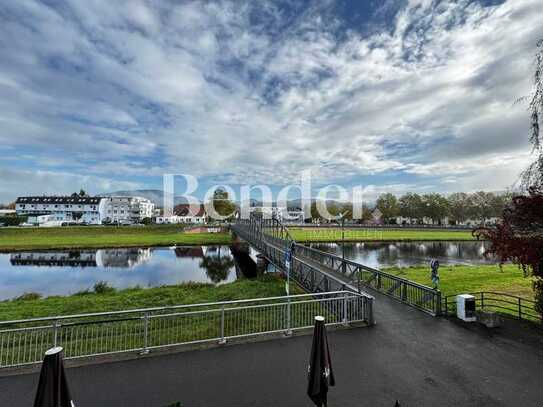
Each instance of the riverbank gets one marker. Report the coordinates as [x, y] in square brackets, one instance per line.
[109, 299]
[375, 235]
[465, 279]
[98, 237]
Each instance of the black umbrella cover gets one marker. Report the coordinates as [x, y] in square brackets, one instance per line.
[53, 388]
[320, 371]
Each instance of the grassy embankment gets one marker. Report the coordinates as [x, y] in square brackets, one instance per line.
[360, 234]
[466, 279]
[110, 299]
[480, 278]
[12, 239]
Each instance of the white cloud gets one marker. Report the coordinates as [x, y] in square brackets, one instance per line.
[21, 182]
[205, 88]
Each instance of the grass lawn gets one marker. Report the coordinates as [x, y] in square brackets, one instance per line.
[466, 279]
[100, 236]
[189, 293]
[359, 234]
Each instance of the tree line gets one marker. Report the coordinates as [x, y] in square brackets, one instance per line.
[457, 208]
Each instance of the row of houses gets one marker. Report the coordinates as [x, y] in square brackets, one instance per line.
[97, 210]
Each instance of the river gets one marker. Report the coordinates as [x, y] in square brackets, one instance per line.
[67, 272]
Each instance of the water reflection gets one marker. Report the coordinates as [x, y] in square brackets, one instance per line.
[404, 254]
[82, 258]
[243, 260]
[70, 271]
[216, 266]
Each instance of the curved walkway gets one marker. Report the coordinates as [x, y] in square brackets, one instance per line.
[408, 355]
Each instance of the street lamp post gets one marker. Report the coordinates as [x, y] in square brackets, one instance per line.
[343, 237]
[343, 265]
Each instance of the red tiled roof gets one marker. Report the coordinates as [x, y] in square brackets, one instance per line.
[186, 210]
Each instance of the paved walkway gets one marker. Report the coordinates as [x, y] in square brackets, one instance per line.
[408, 355]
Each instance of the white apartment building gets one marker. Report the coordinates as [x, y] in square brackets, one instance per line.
[125, 209]
[58, 210]
[74, 208]
[281, 213]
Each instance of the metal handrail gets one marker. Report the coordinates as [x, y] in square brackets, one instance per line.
[166, 308]
[214, 322]
[407, 291]
[279, 263]
[371, 269]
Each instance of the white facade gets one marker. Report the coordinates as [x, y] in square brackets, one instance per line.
[58, 210]
[75, 208]
[165, 220]
[281, 213]
[125, 209]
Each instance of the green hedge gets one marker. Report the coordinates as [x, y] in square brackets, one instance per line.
[13, 220]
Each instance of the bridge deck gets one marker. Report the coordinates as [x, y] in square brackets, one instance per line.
[327, 270]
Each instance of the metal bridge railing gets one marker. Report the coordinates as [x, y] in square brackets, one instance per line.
[506, 304]
[417, 295]
[263, 232]
[25, 341]
[305, 274]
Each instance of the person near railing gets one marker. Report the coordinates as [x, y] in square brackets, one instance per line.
[434, 265]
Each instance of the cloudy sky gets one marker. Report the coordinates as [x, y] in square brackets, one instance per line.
[394, 95]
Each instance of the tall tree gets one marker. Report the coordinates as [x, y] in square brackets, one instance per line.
[498, 203]
[410, 206]
[222, 203]
[388, 206]
[481, 206]
[436, 207]
[459, 207]
[532, 177]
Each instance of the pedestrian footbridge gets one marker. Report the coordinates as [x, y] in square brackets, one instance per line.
[317, 271]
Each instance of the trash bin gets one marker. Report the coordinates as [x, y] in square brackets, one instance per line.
[465, 307]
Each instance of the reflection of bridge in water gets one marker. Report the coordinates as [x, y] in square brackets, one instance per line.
[245, 265]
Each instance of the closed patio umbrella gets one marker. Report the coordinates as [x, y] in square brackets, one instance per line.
[320, 371]
[53, 388]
